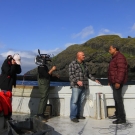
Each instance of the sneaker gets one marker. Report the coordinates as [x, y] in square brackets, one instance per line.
[75, 120]
[112, 117]
[80, 117]
[119, 121]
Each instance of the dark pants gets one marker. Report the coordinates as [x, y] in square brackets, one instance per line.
[43, 85]
[119, 106]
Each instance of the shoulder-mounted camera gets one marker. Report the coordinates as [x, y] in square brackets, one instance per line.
[42, 59]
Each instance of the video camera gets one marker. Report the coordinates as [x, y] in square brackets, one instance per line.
[42, 59]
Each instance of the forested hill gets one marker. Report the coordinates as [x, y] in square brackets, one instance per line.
[97, 56]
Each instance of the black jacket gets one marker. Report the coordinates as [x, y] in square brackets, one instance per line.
[43, 72]
[8, 75]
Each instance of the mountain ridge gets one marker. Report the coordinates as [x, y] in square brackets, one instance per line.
[97, 55]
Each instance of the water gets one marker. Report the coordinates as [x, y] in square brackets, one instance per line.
[34, 83]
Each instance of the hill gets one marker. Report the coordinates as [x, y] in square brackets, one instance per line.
[97, 56]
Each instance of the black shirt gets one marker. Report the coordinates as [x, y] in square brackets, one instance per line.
[43, 72]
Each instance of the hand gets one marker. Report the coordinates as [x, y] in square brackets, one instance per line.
[97, 81]
[13, 62]
[117, 85]
[80, 83]
[109, 84]
[53, 68]
[58, 76]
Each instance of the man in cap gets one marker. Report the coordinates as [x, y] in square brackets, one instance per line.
[9, 70]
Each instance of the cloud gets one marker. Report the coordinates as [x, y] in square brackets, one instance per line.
[31, 54]
[133, 27]
[28, 57]
[84, 33]
[53, 52]
[25, 54]
[104, 31]
[69, 44]
[108, 32]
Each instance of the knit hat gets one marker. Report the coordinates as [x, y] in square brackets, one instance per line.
[17, 58]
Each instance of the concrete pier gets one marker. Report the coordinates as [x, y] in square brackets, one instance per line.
[26, 100]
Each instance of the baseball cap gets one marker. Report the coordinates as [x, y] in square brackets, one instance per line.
[17, 58]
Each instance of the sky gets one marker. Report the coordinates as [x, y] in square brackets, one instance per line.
[53, 25]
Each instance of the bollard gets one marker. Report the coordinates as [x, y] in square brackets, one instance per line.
[98, 106]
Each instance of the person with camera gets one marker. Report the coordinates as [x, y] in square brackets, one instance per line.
[43, 78]
[9, 70]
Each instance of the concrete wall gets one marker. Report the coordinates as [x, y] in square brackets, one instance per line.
[26, 100]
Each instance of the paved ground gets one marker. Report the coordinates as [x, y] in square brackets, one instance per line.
[89, 126]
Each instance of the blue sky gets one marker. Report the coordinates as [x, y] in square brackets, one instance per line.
[53, 25]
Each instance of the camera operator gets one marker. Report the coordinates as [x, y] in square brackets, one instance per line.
[43, 78]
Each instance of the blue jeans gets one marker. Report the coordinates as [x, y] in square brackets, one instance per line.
[77, 98]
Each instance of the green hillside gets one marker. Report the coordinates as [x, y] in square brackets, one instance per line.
[97, 56]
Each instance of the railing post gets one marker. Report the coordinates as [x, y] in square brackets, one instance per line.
[98, 106]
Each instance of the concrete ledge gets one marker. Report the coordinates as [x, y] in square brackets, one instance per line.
[26, 99]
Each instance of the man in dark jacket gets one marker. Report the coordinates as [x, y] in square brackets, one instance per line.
[78, 76]
[9, 70]
[117, 76]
